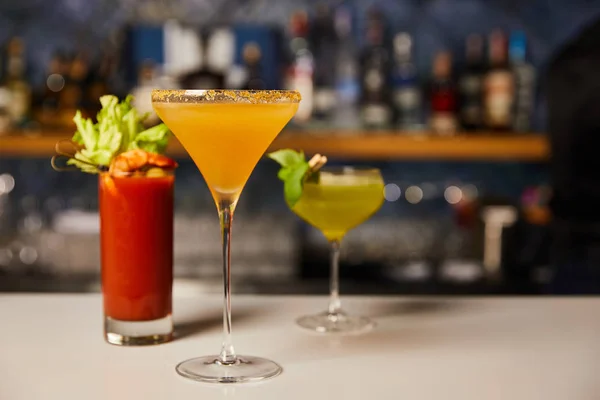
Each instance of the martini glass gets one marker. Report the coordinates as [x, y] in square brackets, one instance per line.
[339, 200]
[226, 133]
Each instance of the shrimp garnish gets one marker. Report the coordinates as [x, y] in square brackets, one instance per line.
[135, 160]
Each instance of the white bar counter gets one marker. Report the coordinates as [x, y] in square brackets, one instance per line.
[51, 347]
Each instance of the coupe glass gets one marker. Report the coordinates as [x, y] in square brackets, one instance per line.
[339, 200]
[226, 132]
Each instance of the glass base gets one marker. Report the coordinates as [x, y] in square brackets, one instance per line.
[138, 333]
[244, 369]
[337, 323]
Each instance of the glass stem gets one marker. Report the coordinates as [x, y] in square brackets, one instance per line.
[227, 355]
[335, 305]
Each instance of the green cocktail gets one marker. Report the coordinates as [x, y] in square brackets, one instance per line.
[333, 200]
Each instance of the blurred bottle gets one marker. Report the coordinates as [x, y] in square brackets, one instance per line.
[210, 74]
[442, 119]
[48, 95]
[470, 85]
[16, 83]
[407, 94]
[220, 52]
[498, 86]
[109, 67]
[375, 97]
[300, 72]
[249, 75]
[142, 92]
[4, 110]
[72, 97]
[183, 50]
[323, 44]
[30, 228]
[4, 98]
[7, 220]
[346, 69]
[252, 56]
[535, 204]
[496, 218]
[101, 74]
[525, 77]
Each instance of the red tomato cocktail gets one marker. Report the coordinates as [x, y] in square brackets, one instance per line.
[136, 225]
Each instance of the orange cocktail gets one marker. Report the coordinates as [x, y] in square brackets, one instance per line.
[225, 140]
[226, 132]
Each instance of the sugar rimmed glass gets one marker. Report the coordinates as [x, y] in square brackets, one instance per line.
[226, 132]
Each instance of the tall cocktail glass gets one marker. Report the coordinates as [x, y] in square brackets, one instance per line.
[136, 236]
[226, 132]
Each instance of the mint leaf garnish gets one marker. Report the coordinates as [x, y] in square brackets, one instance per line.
[293, 185]
[293, 171]
[287, 157]
[119, 128]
